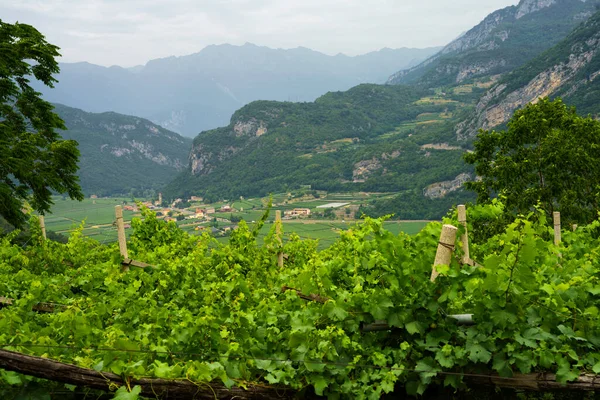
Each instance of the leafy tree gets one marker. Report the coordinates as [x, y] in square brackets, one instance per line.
[548, 155]
[34, 161]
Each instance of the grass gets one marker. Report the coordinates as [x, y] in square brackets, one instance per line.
[98, 215]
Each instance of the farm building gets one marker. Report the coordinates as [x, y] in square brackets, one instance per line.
[298, 212]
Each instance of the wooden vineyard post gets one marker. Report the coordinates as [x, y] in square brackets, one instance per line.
[443, 256]
[462, 219]
[121, 235]
[279, 238]
[557, 238]
[43, 226]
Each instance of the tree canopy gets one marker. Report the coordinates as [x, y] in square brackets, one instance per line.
[34, 161]
[548, 155]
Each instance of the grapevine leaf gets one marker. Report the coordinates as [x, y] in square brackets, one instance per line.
[478, 353]
[445, 361]
[595, 290]
[162, 369]
[596, 368]
[546, 359]
[123, 394]
[314, 366]
[501, 365]
[334, 311]
[564, 373]
[320, 383]
[10, 377]
[414, 327]
[452, 381]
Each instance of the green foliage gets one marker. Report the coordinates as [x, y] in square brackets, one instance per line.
[412, 205]
[216, 312]
[34, 161]
[324, 144]
[122, 154]
[549, 155]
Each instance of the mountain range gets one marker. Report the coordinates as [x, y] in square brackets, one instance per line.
[201, 91]
[398, 137]
[407, 136]
[503, 41]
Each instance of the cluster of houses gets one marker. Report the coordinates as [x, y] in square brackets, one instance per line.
[297, 212]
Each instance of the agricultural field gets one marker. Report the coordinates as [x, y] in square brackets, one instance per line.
[97, 217]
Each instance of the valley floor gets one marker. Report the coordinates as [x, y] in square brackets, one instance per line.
[96, 216]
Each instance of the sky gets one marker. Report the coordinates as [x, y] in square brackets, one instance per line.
[132, 32]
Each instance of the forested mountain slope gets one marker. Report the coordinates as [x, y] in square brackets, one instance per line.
[120, 153]
[370, 138]
[503, 41]
[569, 70]
[201, 91]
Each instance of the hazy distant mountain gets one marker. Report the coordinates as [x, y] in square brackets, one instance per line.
[201, 91]
[120, 152]
[503, 41]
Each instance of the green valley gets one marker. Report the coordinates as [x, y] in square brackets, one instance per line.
[371, 138]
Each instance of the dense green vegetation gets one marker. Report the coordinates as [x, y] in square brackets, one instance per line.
[121, 154]
[34, 159]
[412, 205]
[216, 313]
[510, 44]
[325, 144]
[548, 157]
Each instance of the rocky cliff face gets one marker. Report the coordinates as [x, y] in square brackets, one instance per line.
[441, 189]
[242, 130]
[576, 58]
[501, 42]
[127, 136]
[528, 6]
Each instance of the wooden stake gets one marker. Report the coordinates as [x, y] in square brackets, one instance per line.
[443, 256]
[43, 226]
[574, 227]
[121, 234]
[556, 216]
[278, 232]
[462, 218]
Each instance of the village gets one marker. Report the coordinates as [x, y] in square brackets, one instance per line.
[220, 218]
[307, 213]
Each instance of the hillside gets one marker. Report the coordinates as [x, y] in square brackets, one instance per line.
[201, 91]
[370, 138]
[392, 138]
[569, 70]
[121, 153]
[502, 42]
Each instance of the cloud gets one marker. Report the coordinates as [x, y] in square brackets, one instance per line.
[130, 32]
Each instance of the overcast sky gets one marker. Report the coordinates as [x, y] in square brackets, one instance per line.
[131, 32]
